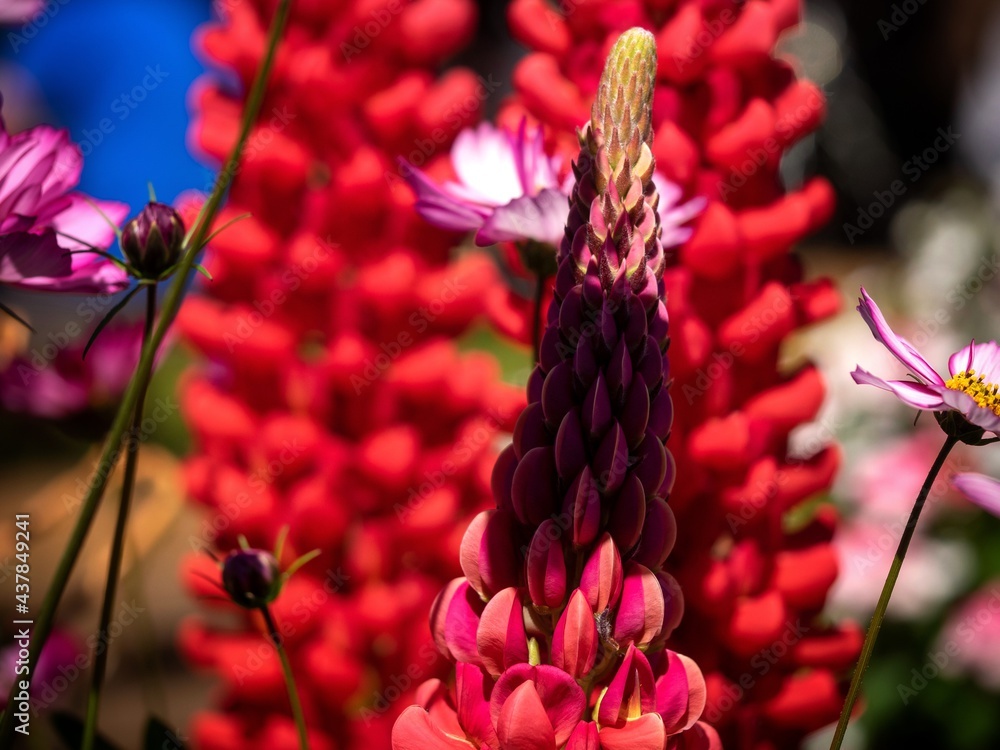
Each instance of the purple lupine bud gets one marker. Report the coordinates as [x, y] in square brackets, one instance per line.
[533, 489]
[502, 478]
[635, 413]
[601, 580]
[486, 555]
[530, 430]
[597, 413]
[500, 638]
[251, 577]
[627, 514]
[575, 641]
[659, 532]
[153, 240]
[583, 505]
[610, 462]
[640, 612]
[571, 448]
[546, 567]
[673, 605]
[631, 692]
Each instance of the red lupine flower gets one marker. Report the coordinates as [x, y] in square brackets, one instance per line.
[724, 113]
[333, 399]
[580, 492]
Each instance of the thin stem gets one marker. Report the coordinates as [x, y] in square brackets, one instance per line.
[883, 601]
[536, 319]
[286, 667]
[112, 444]
[102, 646]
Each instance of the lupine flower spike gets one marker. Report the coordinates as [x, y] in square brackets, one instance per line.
[558, 627]
[967, 406]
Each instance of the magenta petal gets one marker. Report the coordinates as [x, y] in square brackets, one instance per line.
[546, 567]
[601, 580]
[644, 733]
[541, 217]
[523, 723]
[917, 395]
[560, 694]
[414, 730]
[25, 257]
[500, 638]
[659, 533]
[630, 693]
[461, 623]
[472, 698]
[699, 737]
[680, 693]
[584, 737]
[574, 642]
[487, 553]
[640, 613]
[901, 349]
[984, 491]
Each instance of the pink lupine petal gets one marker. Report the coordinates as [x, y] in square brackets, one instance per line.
[680, 693]
[461, 624]
[523, 723]
[917, 395]
[575, 642]
[539, 217]
[472, 695]
[644, 733]
[984, 491]
[640, 612]
[901, 349]
[584, 737]
[634, 676]
[546, 566]
[486, 555]
[560, 694]
[500, 637]
[439, 614]
[414, 730]
[601, 580]
[699, 737]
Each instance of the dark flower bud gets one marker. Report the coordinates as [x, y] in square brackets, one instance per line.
[251, 577]
[152, 241]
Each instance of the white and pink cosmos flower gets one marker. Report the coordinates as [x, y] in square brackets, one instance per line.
[972, 388]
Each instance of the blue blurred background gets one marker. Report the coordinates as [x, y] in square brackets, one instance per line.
[122, 64]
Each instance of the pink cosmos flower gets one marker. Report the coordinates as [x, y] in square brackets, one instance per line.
[508, 188]
[984, 491]
[509, 191]
[19, 11]
[971, 390]
[41, 219]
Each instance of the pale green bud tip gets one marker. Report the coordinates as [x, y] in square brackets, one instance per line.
[625, 93]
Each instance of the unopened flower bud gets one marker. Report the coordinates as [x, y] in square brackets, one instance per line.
[152, 241]
[251, 577]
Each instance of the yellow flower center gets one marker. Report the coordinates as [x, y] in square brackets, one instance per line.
[987, 395]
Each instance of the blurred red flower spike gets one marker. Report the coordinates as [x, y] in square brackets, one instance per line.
[575, 640]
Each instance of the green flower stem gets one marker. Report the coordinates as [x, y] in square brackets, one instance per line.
[883, 600]
[286, 667]
[140, 380]
[102, 646]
